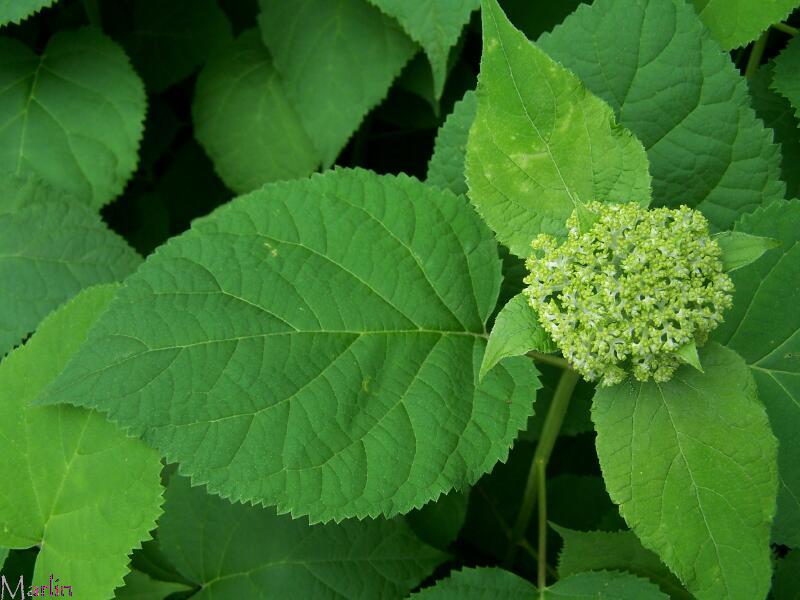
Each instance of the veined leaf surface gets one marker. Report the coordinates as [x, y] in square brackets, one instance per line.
[74, 484]
[692, 465]
[541, 143]
[315, 345]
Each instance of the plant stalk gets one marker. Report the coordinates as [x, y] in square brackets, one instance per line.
[549, 359]
[533, 487]
[755, 55]
[786, 28]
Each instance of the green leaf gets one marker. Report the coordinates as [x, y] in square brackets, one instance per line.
[734, 23]
[614, 550]
[739, 249]
[51, 247]
[688, 354]
[491, 583]
[320, 342]
[82, 491]
[681, 97]
[541, 142]
[438, 523]
[337, 58]
[516, 332]
[446, 167]
[433, 24]
[140, 586]
[3, 556]
[787, 583]
[778, 114]
[692, 464]
[16, 11]
[786, 79]
[245, 121]
[73, 116]
[231, 550]
[764, 327]
[169, 41]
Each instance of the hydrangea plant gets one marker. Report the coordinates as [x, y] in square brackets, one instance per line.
[629, 292]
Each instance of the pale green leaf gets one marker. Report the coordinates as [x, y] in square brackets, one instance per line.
[681, 96]
[614, 550]
[688, 354]
[739, 249]
[734, 23]
[692, 464]
[777, 114]
[541, 142]
[169, 40]
[438, 523]
[233, 550]
[786, 78]
[516, 332]
[491, 583]
[764, 327]
[83, 491]
[73, 115]
[337, 58]
[15, 11]
[446, 167]
[51, 246]
[319, 341]
[433, 24]
[245, 121]
[140, 586]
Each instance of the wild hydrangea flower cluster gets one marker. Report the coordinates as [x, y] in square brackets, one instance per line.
[626, 295]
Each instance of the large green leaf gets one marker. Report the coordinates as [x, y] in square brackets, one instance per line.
[170, 40]
[692, 464]
[683, 99]
[433, 24]
[51, 247]
[614, 550]
[318, 342]
[734, 23]
[764, 327]
[446, 167]
[337, 58]
[3, 556]
[73, 115]
[75, 485]
[496, 584]
[778, 115]
[234, 551]
[246, 123]
[541, 143]
[786, 80]
[15, 11]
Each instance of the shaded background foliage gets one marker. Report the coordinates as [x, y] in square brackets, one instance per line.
[176, 181]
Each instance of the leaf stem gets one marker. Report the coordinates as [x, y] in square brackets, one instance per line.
[549, 359]
[786, 28]
[534, 488]
[541, 573]
[755, 54]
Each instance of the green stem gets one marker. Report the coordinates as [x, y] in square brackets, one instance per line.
[541, 573]
[786, 28]
[92, 10]
[547, 439]
[755, 55]
[549, 359]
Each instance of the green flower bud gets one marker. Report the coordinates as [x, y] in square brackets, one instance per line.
[625, 295]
